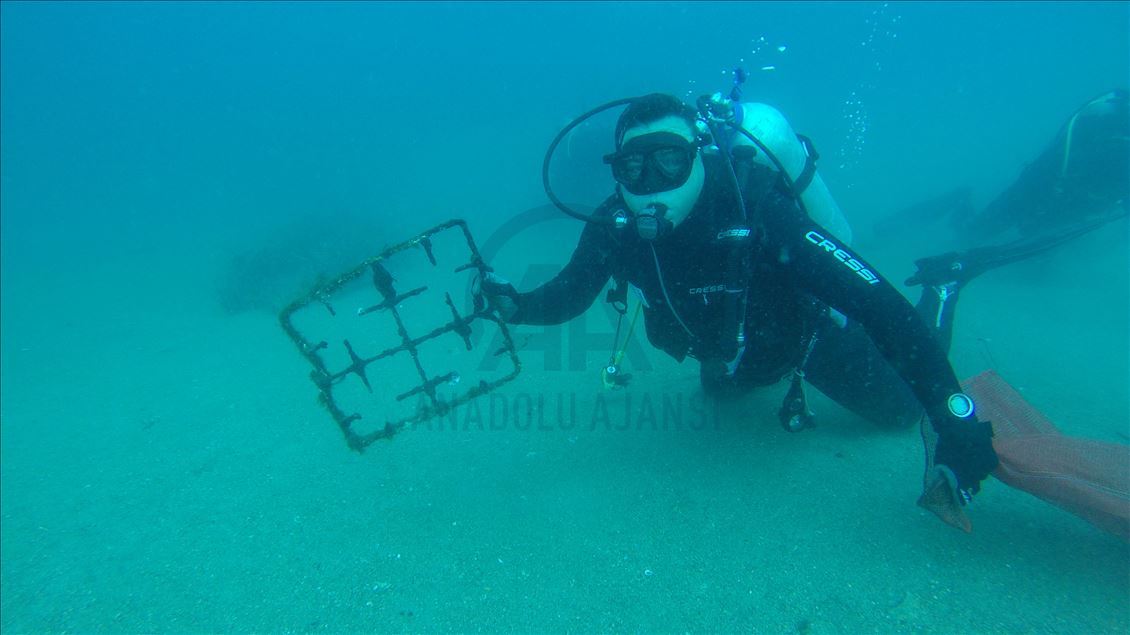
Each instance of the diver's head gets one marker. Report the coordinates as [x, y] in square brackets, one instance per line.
[657, 164]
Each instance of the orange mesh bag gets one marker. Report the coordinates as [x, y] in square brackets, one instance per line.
[1088, 478]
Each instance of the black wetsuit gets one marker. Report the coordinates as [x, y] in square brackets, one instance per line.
[797, 273]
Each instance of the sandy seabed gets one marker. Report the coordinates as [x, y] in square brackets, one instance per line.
[166, 468]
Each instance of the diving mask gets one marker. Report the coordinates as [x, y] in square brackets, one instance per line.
[653, 162]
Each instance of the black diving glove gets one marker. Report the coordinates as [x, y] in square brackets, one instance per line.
[966, 448]
[957, 268]
[496, 293]
[936, 270]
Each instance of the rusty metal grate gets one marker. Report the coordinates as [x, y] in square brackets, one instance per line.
[329, 376]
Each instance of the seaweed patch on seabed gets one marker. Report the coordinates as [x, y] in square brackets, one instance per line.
[599, 411]
[394, 332]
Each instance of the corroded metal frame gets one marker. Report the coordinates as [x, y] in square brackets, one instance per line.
[325, 379]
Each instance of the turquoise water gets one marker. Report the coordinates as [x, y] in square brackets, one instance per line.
[172, 174]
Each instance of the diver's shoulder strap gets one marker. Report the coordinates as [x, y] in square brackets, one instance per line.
[755, 180]
[810, 156]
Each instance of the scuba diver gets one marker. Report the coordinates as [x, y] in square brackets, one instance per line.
[1081, 176]
[1079, 183]
[718, 235]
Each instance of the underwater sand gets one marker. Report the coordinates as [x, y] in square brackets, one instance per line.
[166, 468]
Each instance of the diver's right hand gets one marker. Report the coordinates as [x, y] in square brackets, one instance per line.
[496, 294]
[966, 448]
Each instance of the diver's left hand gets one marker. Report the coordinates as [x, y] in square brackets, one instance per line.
[966, 448]
[498, 294]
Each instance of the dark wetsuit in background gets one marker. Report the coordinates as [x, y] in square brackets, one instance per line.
[1082, 174]
[796, 275]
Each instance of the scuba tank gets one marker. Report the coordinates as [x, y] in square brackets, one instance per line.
[798, 157]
